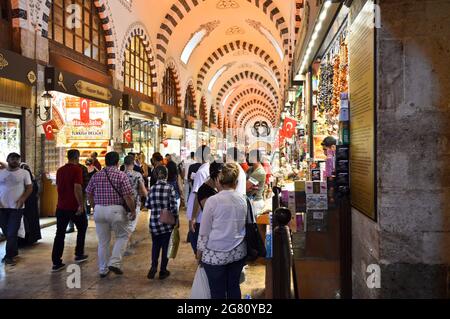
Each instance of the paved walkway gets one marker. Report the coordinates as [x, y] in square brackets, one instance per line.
[32, 278]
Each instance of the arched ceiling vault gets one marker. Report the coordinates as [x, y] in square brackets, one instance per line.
[252, 111]
[253, 118]
[233, 50]
[246, 75]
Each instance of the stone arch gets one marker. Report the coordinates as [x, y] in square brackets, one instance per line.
[19, 13]
[251, 116]
[251, 91]
[104, 13]
[203, 111]
[173, 67]
[235, 47]
[190, 88]
[253, 108]
[138, 29]
[180, 9]
[242, 76]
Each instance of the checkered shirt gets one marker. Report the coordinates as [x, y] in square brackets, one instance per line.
[161, 196]
[104, 194]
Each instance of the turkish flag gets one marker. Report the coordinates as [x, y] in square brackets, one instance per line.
[288, 129]
[127, 136]
[84, 110]
[48, 129]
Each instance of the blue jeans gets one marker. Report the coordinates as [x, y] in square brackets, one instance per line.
[224, 280]
[10, 224]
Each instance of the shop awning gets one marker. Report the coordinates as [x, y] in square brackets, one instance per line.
[139, 104]
[69, 83]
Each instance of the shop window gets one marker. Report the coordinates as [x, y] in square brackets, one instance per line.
[189, 106]
[137, 73]
[4, 10]
[76, 24]
[10, 136]
[170, 89]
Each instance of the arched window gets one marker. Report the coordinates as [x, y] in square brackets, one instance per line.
[76, 24]
[189, 106]
[170, 89]
[137, 73]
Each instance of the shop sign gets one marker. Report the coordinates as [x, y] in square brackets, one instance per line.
[68, 83]
[127, 136]
[86, 121]
[148, 108]
[176, 121]
[362, 116]
[92, 90]
[18, 68]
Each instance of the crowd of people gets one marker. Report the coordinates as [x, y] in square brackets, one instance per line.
[214, 191]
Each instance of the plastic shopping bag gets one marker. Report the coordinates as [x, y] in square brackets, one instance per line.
[200, 287]
[174, 243]
[21, 233]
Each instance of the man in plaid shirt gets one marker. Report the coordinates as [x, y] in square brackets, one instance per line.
[161, 196]
[107, 192]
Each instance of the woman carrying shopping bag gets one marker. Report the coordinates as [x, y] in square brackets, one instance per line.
[162, 203]
[221, 246]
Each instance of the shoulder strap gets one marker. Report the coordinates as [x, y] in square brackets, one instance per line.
[109, 180]
[250, 217]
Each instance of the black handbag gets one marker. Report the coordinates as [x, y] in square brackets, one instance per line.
[255, 243]
[124, 204]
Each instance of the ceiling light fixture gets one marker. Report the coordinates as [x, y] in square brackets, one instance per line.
[322, 17]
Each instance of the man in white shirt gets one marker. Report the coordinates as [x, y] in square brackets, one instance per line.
[187, 188]
[15, 187]
[203, 154]
[233, 156]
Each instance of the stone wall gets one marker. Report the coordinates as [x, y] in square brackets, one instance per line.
[413, 230]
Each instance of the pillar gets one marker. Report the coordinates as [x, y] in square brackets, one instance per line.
[411, 239]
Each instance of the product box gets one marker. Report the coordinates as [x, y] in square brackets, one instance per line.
[317, 221]
[344, 115]
[292, 203]
[316, 187]
[300, 186]
[300, 201]
[269, 239]
[316, 202]
[309, 188]
[315, 175]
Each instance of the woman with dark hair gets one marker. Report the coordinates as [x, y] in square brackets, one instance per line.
[156, 160]
[210, 188]
[31, 213]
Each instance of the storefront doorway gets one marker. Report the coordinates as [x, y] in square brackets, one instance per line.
[10, 135]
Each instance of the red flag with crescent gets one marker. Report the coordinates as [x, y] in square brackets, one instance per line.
[48, 130]
[289, 127]
[84, 110]
[127, 135]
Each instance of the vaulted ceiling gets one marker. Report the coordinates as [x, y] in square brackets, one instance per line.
[236, 52]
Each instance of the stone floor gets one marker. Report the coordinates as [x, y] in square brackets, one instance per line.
[32, 278]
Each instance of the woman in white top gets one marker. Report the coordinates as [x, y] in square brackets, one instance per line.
[221, 246]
